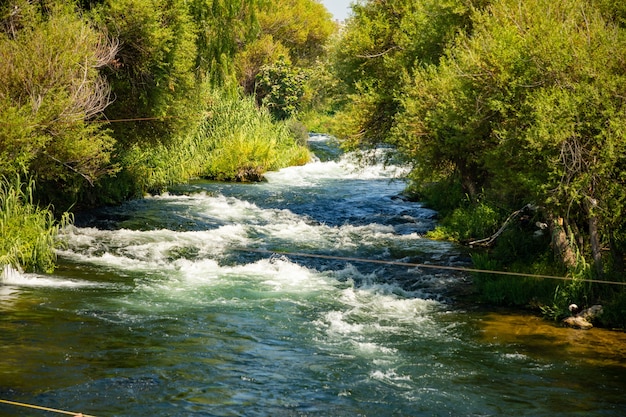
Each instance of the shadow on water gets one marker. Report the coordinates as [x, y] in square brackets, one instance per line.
[535, 336]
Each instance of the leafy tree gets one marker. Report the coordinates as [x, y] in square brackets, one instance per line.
[528, 108]
[280, 87]
[294, 31]
[50, 93]
[153, 73]
[259, 53]
[382, 43]
[223, 27]
[302, 26]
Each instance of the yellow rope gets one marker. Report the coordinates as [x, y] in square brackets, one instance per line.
[38, 407]
[430, 266]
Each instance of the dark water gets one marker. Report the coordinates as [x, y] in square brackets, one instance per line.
[159, 310]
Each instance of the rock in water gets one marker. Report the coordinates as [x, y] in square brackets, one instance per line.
[577, 322]
[583, 319]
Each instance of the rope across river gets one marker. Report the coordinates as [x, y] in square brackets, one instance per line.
[426, 266]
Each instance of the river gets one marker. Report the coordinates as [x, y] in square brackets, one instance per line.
[170, 306]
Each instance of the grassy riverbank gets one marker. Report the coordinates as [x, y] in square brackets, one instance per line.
[233, 141]
[523, 244]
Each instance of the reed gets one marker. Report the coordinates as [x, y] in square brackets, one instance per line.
[28, 234]
[244, 141]
[235, 141]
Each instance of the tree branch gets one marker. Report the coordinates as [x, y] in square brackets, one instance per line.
[489, 241]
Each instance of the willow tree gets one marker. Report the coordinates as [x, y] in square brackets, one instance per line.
[223, 27]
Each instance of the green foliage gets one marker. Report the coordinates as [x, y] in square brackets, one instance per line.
[382, 44]
[243, 142]
[441, 194]
[280, 88]
[222, 28]
[614, 314]
[468, 223]
[281, 64]
[524, 109]
[324, 96]
[302, 26]
[512, 290]
[153, 75]
[27, 233]
[257, 54]
[50, 91]
[236, 141]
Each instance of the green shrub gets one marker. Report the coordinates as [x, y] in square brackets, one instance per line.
[614, 314]
[467, 223]
[511, 289]
[280, 88]
[441, 194]
[51, 89]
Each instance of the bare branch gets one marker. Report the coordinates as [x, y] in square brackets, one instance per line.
[378, 55]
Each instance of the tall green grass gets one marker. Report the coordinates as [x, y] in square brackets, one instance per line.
[235, 141]
[27, 233]
[242, 141]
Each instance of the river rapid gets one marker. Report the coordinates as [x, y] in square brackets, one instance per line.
[171, 306]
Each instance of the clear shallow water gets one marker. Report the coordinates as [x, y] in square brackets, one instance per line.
[158, 310]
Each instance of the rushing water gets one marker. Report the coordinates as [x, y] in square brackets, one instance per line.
[160, 308]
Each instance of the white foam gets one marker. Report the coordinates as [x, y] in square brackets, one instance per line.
[389, 375]
[12, 277]
[353, 165]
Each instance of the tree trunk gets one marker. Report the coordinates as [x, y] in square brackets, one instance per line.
[560, 243]
[469, 185]
[594, 236]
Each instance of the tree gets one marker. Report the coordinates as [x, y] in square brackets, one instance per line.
[51, 93]
[153, 76]
[302, 26]
[529, 108]
[383, 42]
[294, 31]
[280, 88]
[223, 27]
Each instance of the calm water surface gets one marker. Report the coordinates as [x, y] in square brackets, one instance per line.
[159, 310]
